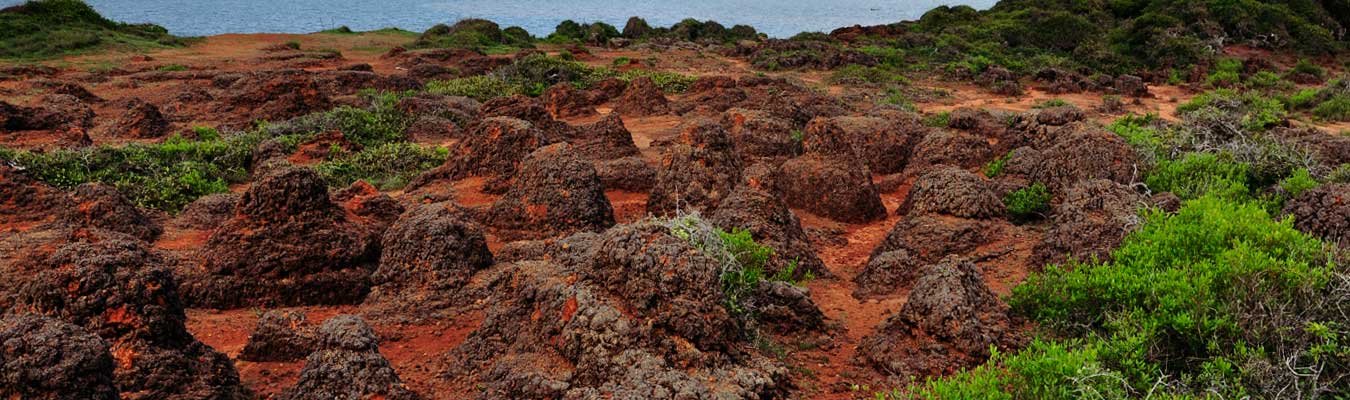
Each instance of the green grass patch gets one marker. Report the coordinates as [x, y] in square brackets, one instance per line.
[388, 166]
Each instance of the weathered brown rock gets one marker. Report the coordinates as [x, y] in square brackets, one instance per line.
[772, 224]
[1323, 212]
[280, 336]
[1094, 217]
[494, 148]
[829, 180]
[952, 191]
[948, 324]
[288, 244]
[119, 290]
[45, 359]
[141, 120]
[641, 99]
[698, 172]
[102, 206]
[760, 135]
[431, 252]
[348, 365]
[564, 101]
[554, 193]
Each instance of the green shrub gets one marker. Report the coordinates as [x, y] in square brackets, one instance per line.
[1336, 108]
[939, 120]
[50, 28]
[1298, 182]
[995, 167]
[1306, 67]
[479, 87]
[1188, 299]
[743, 260]
[669, 82]
[173, 67]
[388, 166]
[1198, 174]
[1051, 103]
[477, 34]
[1028, 203]
[1267, 80]
[165, 176]
[1227, 73]
[1044, 370]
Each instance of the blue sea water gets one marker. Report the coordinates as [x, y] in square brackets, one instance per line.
[777, 18]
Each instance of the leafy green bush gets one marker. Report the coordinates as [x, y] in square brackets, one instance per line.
[1187, 299]
[995, 167]
[388, 166]
[477, 34]
[50, 28]
[1028, 203]
[1298, 182]
[1044, 370]
[1227, 73]
[1255, 112]
[860, 75]
[1051, 103]
[1198, 174]
[165, 176]
[1334, 109]
[478, 87]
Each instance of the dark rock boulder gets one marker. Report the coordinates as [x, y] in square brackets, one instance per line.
[274, 96]
[760, 135]
[494, 149]
[564, 101]
[606, 139]
[883, 144]
[207, 212]
[949, 148]
[288, 244]
[102, 206]
[1093, 218]
[696, 173]
[948, 324]
[348, 365]
[952, 191]
[641, 99]
[554, 193]
[428, 255]
[1323, 212]
[46, 359]
[119, 290]
[772, 224]
[141, 120]
[280, 336]
[1076, 155]
[830, 180]
[635, 311]
[632, 174]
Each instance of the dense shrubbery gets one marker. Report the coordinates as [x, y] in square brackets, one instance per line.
[387, 166]
[171, 174]
[1219, 299]
[531, 75]
[477, 34]
[1111, 37]
[1028, 203]
[49, 28]
[165, 176]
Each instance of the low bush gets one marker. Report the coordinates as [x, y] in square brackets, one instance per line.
[476, 34]
[478, 87]
[1199, 174]
[388, 166]
[1028, 203]
[1217, 298]
[995, 168]
[164, 176]
[50, 28]
[1051, 103]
